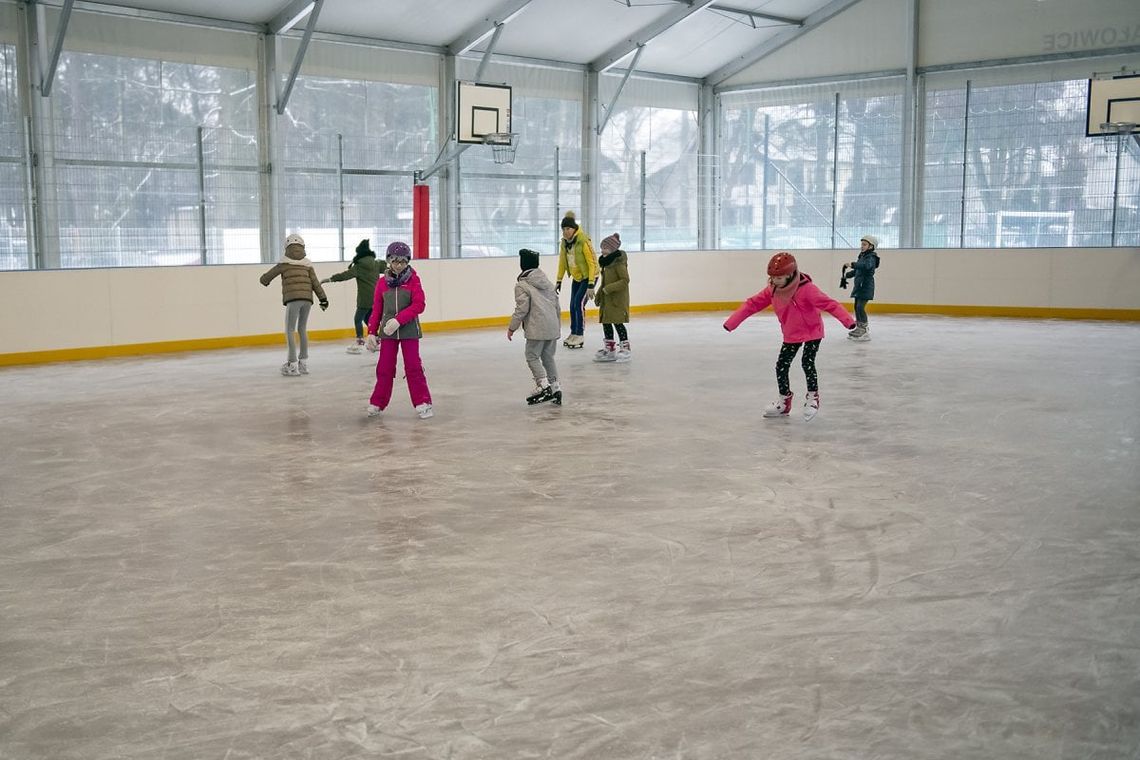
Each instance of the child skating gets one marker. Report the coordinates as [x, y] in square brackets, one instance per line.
[396, 309]
[298, 284]
[864, 288]
[366, 270]
[797, 302]
[538, 314]
[576, 257]
[613, 301]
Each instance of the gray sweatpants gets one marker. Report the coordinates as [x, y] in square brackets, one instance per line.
[540, 359]
[297, 320]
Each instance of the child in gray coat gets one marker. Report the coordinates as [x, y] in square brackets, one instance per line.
[537, 312]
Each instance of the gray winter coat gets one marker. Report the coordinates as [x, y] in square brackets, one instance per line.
[536, 307]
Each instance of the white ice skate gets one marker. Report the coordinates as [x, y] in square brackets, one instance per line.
[607, 353]
[290, 369]
[780, 408]
[424, 411]
[302, 368]
[373, 410]
[811, 406]
[574, 341]
[356, 348]
[861, 333]
[623, 353]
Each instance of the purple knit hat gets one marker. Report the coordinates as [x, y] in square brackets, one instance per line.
[611, 243]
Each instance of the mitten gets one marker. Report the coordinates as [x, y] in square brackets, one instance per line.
[370, 342]
[326, 281]
[391, 326]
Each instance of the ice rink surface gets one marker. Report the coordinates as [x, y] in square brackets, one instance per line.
[204, 559]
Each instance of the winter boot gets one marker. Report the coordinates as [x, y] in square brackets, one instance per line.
[779, 408]
[624, 354]
[289, 369]
[357, 347]
[607, 353]
[543, 393]
[811, 406]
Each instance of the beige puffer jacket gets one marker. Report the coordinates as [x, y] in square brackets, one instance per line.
[298, 279]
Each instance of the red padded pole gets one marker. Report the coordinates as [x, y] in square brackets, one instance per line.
[421, 220]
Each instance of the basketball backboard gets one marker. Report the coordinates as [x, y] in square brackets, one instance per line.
[1112, 100]
[481, 109]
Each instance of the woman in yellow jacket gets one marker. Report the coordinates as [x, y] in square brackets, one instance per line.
[576, 256]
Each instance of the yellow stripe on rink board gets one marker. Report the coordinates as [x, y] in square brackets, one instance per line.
[272, 339]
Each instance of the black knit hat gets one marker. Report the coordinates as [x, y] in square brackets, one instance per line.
[528, 259]
[569, 221]
[363, 250]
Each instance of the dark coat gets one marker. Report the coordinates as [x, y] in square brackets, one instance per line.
[366, 270]
[864, 270]
[613, 295]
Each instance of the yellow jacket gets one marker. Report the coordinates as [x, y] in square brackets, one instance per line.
[577, 257]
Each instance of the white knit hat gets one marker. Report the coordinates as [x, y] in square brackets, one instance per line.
[295, 239]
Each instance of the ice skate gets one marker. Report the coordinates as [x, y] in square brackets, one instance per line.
[373, 410]
[289, 369]
[356, 348]
[811, 406]
[544, 393]
[302, 368]
[861, 334]
[575, 341]
[780, 408]
[424, 411]
[623, 353]
[608, 352]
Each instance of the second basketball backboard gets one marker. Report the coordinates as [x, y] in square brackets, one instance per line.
[1112, 100]
[481, 109]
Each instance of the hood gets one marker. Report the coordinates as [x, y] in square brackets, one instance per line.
[537, 279]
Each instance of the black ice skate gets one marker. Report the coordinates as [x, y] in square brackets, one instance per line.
[544, 394]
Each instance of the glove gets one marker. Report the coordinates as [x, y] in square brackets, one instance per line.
[324, 304]
[391, 326]
[558, 287]
[589, 294]
[370, 343]
[326, 281]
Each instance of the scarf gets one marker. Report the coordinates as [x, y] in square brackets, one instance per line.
[394, 281]
[299, 262]
[784, 295]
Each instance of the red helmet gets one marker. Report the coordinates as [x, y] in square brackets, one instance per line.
[781, 265]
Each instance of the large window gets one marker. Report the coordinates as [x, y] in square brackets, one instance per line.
[1009, 166]
[505, 207]
[648, 169]
[813, 170]
[13, 222]
[153, 163]
[351, 147]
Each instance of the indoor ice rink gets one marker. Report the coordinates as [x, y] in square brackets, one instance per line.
[203, 558]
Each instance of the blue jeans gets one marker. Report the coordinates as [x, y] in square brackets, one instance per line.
[360, 319]
[861, 310]
[578, 290]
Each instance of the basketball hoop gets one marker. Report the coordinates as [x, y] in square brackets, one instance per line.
[1114, 133]
[502, 146]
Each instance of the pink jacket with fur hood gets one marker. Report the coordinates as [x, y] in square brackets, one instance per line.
[799, 316]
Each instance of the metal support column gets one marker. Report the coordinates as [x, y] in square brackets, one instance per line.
[590, 159]
[202, 247]
[340, 191]
[557, 193]
[642, 205]
[965, 162]
[907, 194]
[834, 169]
[708, 162]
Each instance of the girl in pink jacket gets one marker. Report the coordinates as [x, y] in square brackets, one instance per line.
[395, 320]
[798, 303]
